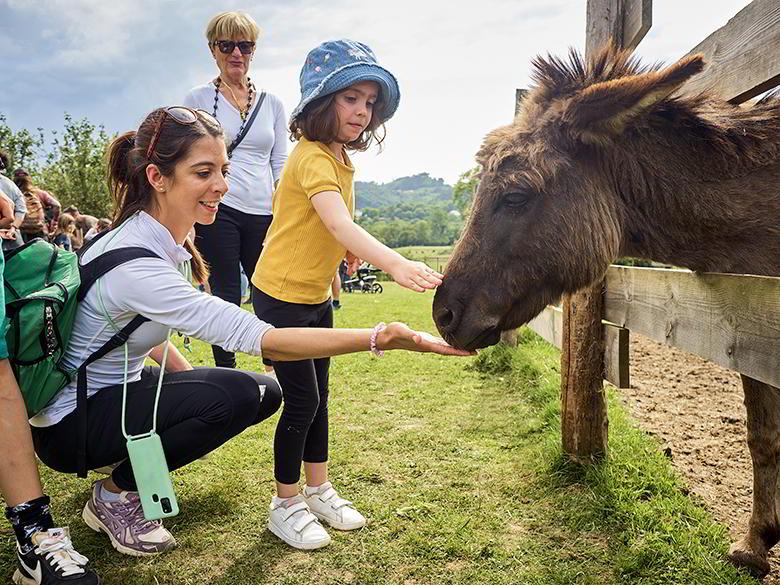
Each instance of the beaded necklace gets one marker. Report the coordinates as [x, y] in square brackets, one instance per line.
[243, 113]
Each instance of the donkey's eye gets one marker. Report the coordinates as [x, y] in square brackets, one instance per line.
[516, 201]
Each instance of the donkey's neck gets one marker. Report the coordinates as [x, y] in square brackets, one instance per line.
[704, 220]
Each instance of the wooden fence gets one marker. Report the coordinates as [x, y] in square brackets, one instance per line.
[732, 320]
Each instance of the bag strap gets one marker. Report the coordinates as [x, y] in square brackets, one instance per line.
[90, 273]
[237, 140]
[117, 340]
[106, 262]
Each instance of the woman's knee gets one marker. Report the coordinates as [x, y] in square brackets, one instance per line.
[271, 396]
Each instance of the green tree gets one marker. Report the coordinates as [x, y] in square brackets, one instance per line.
[75, 169]
[23, 147]
[463, 191]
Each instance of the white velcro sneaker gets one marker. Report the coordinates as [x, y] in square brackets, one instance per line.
[326, 505]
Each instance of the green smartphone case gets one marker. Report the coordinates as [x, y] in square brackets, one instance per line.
[152, 477]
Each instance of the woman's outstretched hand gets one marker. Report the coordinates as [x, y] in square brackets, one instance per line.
[416, 276]
[400, 336]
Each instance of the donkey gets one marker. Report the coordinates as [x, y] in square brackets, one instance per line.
[604, 161]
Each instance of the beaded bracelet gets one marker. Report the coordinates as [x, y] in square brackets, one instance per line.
[378, 328]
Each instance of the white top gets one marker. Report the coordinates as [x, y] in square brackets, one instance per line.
[257, 162]
[154, 288]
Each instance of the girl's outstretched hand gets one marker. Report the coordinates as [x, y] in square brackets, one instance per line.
[416, 276]
[400, 336]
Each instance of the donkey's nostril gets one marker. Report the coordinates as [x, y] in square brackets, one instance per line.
[445, 317]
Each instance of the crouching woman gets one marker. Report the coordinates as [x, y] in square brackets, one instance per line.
[164, 178]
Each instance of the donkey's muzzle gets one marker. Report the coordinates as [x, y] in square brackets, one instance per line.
[460, 322]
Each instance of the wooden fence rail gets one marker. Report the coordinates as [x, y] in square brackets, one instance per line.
[730, 319]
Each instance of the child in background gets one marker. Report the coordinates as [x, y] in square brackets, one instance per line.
[66, 230]
[346, 96]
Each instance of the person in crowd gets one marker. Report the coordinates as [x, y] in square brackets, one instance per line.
[44, 553]
[34, 224]
[9, 226]
[51, 207]
[165, 177]
[346, 96]
[102, 225]
[83, 223]
[255, 126]
[65, 233]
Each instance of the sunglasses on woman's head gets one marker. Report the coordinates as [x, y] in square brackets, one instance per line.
[227, 47]
[181, 115]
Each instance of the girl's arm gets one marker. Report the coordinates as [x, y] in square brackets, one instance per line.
[297, 343]
[174, 362]
[337, 219]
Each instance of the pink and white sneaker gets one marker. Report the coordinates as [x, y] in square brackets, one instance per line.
[124, 523]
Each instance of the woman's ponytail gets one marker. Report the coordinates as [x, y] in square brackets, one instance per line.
[129, 194]
[200, 270]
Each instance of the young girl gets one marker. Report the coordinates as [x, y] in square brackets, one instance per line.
[66, 230]
[164, 178]
[345, 97]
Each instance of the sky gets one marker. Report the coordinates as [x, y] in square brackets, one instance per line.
[458, 62]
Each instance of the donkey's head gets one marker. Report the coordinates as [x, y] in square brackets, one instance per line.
[545, 220]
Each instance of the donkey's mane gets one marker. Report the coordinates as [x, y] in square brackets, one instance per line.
[741, 137]
[555, 77]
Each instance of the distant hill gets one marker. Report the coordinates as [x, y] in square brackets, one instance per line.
[420, 188]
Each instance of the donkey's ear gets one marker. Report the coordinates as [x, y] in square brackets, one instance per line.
[604, 109]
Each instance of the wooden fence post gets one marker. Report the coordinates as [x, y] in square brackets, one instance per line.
[584, 423]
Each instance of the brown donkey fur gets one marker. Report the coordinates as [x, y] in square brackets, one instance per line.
[601, 162]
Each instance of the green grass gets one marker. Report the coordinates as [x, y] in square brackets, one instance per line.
[457, 465]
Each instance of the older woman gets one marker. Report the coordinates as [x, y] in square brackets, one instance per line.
[255, 126]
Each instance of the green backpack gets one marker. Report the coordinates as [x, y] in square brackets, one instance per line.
[43, 285]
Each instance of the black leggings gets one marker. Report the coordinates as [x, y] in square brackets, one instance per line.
[302, 431]
[199, 411]
[234, 237]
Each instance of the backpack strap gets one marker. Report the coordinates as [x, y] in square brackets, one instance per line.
[90, 272]
[118, 340]
[105, 263]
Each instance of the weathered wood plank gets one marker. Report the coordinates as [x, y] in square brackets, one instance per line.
[604, 21]
[637, 20]
[584, 421]
[549, 326]
[616, 356]
[743, 56]
[626, 22]
[732, 320]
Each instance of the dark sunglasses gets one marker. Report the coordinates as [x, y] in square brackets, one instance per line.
[227, 47]
[181, 115]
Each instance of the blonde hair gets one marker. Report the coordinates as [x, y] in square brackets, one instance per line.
[232, 25]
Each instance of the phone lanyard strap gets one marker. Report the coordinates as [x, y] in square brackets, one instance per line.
[157, 395]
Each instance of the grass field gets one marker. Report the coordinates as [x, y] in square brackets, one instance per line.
[457, 465]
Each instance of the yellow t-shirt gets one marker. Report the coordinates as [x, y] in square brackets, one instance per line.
[300, 256]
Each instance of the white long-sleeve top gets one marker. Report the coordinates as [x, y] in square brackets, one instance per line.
[258, 161]
[154, 288]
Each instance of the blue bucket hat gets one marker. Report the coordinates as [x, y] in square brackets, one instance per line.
[335, 65]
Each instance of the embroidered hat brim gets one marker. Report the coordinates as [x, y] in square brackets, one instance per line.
[351, 74]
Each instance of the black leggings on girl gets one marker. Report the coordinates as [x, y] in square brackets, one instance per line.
[199, 411]
[302, 431]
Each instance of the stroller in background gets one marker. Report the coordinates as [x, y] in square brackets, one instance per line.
[364, 280]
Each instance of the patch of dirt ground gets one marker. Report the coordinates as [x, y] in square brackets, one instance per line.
[695, 409]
